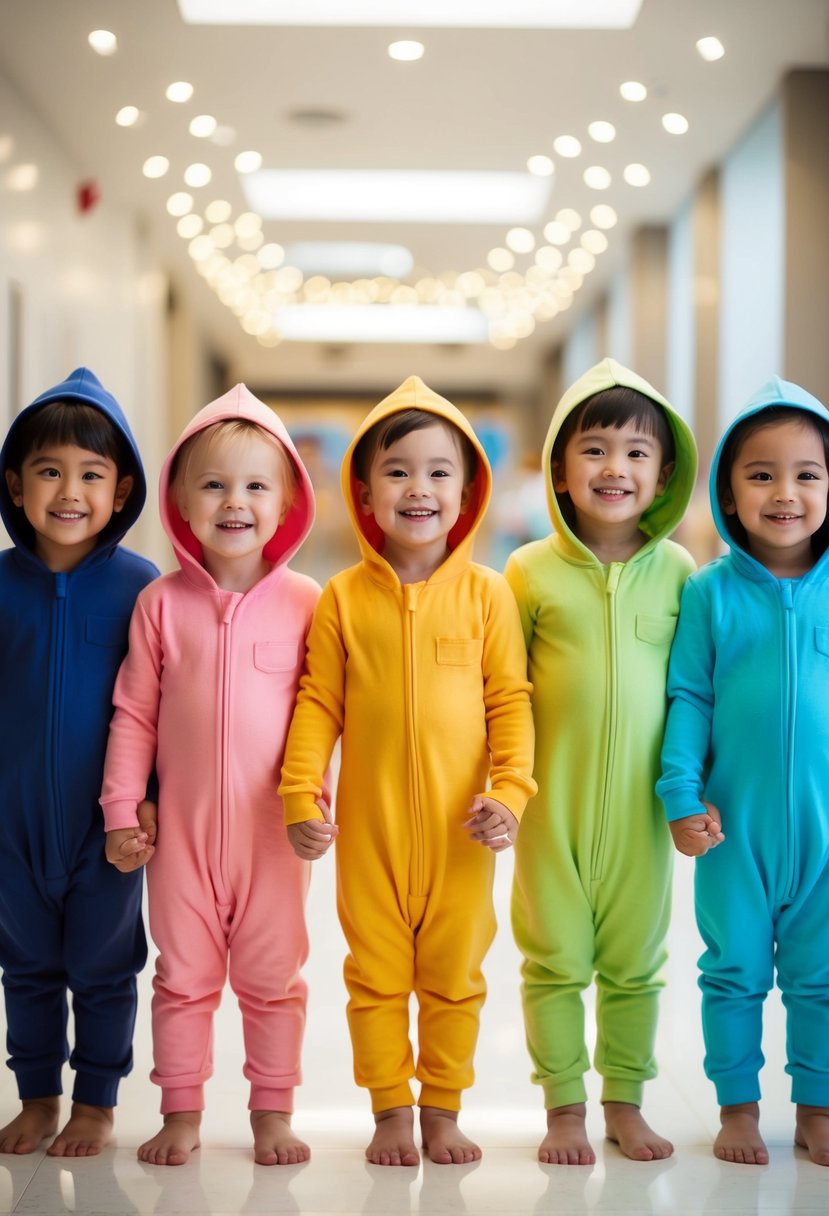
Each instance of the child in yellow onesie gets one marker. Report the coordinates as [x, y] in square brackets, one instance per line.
[415, 657]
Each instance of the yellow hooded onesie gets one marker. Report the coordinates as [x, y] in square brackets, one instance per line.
[426, 684]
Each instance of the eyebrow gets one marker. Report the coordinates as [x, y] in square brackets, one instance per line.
[391, 461]
[102, 461]
[800, 464]
[602, 436]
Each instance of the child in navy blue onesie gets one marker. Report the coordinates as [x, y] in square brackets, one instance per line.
[71, 486]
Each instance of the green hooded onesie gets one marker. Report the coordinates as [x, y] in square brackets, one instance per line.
[593, 858]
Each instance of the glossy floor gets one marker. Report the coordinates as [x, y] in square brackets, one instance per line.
[503, 1112]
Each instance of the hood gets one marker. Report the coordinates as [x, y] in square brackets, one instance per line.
[667, 509]
[239, 403]
[414, 394]
[775, 392]
[84, 386]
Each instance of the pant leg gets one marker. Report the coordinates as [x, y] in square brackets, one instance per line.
[632, 908]
[34, 980]
[803, 976]
[190, 932]
[553, 925]
[104, 948]
[451, 941]
[268, 945]
[736, 922]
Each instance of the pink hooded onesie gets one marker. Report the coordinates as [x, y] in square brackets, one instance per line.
[205, 697]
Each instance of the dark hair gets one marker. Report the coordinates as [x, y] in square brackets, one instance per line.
[59, 423]
[772, 415]
[396, 426]
[614, 407]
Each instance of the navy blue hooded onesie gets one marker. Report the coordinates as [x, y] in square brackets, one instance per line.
[68, 919]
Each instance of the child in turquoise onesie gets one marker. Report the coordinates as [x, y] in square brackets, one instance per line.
[745, 762]
[598, 600]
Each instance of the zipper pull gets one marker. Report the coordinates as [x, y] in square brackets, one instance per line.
[60, 585]
[614, 573]
[787, 589]
[410, 593]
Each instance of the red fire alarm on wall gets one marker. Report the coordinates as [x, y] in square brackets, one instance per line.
[88, 196]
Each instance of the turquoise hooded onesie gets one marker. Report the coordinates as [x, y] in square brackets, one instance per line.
[593, 856]
[749, 688]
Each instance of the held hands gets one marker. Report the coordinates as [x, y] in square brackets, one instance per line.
[130, 848]
[696, 834]
[312, 839]
[492, 824]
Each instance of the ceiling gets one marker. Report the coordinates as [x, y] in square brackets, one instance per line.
[479, 99]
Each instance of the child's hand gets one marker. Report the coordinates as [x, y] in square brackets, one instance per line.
[492, 824]
[128, 848]
[696, 834]
[148, 820]
[313, 839]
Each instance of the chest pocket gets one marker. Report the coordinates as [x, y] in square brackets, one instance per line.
[822, 639]
[459, 652]
[106, 631]
[275, 656]
[655, 630]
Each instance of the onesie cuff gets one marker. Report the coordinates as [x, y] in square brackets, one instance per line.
[118, 815]
[299, 808]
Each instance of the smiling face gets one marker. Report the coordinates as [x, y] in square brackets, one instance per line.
[778, 491]
[68, 495]
[416, 491]
[233, 491]
[612, 475]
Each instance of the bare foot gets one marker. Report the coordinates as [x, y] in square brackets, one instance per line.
[443, 1141]
[88, 1131]
[739, 1139]
[393, 1139]
[812, 1132]
[175, 1142]
[566, 1141]
[37, 1119]
[625, 1126]
[273, 1141]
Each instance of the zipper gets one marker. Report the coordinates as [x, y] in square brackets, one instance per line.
[790, 704]
[224, 749]
[614, 573]
[410, 594]
[56, 713]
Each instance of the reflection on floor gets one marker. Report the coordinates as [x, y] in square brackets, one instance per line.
[504, 1112]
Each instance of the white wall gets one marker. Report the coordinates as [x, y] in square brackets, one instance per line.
[89, 293]
[681, 335]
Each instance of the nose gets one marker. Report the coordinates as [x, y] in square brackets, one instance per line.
[784, 492]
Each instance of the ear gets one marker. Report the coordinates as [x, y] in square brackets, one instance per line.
[14, 484]
[364, 498]
[122, 492]
[728, 504]
[466, 497]
[559, 480]
[665, 477]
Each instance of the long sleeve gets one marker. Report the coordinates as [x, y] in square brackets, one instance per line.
[507, 701]
[133, 733]
[318, 717]
[516, 576]
[687, 742]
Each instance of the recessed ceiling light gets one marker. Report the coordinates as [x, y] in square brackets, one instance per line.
[270, 256]
[593, 241]
[603, 216]
[633, 90]
[540, 166]
[597, 177]
[567, 145]
[636, 175]
[127, 116]
[218, 211]
[710, 49]
[431, 323]
[203, 126]
[248, 162]
[557, 233]
[179, 91]
[414, 195]
[602, 132]
[484, 14]
[103, 42]
[406, 50]
[189, 226]
[197, 175]
[350, 259]
[500, 260]
[155, 166]
[581, 260]
[180, 203]
[570, 217]
[675, 124]
[22, 177]
[548, 258]
[520, 240]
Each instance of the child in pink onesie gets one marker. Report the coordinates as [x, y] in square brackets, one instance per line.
[205, 697]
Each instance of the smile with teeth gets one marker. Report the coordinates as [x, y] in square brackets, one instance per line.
[608, 492]
[412, 513]
[234, 525]
[68, 515]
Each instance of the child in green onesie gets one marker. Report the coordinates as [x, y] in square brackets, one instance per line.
[598, 600]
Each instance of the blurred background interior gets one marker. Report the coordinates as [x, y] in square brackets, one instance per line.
[320, 198]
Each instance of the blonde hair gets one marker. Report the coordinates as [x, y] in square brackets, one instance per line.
[231, 429]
